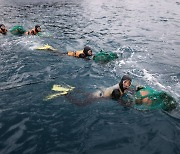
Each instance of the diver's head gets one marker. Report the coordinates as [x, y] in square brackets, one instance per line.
[2, 27]
[125, 82]
[37, 28]
[87, 51]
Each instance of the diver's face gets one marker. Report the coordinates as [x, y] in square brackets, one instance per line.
[90, 52]
[3, 27]
[126, 84]
[39, 29]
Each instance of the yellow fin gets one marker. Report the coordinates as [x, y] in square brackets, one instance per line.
[60, 88]
[61, 91]
[46, 47]
[49, 97]
[52, 96]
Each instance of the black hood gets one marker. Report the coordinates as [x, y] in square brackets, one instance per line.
[125, 77]
[36, 27]
[86, 49]
[1, 25]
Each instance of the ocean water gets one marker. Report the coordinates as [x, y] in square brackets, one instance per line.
[145, 34]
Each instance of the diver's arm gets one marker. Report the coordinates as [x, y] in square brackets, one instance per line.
[108, 91]
[81, 56]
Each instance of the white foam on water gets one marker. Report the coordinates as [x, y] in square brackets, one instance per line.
[177, 89]
[152, 80]
[30, 42]
[149, 77]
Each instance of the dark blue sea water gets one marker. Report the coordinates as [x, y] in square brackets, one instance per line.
[146, 36]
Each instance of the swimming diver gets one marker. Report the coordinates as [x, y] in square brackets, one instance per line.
[113, 92]
[85, 53]
[138, 97]
[116, 91]
[3, 29]
[34, 31]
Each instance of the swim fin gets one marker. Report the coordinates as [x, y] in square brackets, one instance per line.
[60, 88]
[61, 91]
[46, 47]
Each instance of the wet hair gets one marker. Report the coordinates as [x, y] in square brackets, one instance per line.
[86, 49]
[125, 77]
[116, 94]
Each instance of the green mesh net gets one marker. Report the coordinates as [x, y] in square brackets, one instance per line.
[44, 34]
[17, 30]
[104, 57]
[154, 100]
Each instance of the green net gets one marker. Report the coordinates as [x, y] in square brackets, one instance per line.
[104, 57]
[154, 100]
[17, 30]
[44, 34]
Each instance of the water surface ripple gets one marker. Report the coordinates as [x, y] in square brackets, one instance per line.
[145, 34]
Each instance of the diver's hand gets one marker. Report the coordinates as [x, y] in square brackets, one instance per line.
[139, 88]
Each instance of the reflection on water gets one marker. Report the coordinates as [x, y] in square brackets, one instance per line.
[144, 34]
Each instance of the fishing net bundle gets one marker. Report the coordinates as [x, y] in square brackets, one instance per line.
[104, 56]
[17, 30]
[154, 100]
